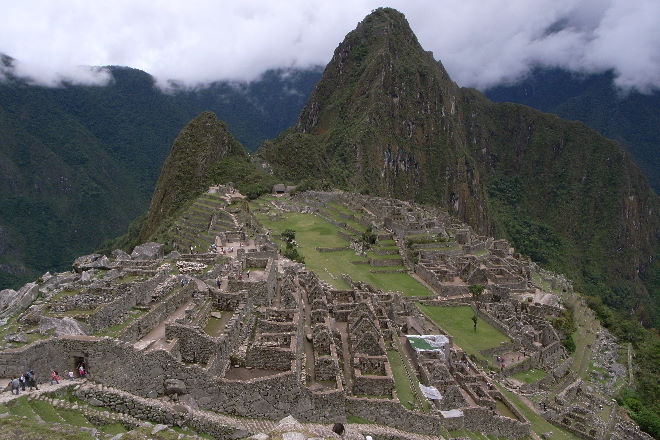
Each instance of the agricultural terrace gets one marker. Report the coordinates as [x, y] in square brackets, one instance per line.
[457, 321]
[313, 232]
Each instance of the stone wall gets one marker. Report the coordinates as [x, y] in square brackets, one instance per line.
[158, 412]
[385, 262]
[195, 346]
[147, 322]
[390, 412]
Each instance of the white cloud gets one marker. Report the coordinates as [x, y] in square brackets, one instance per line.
[481, 43]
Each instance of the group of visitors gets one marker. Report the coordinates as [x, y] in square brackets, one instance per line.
[29, 379]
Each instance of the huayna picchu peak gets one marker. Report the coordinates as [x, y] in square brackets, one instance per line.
[386, 119]
[408, 261]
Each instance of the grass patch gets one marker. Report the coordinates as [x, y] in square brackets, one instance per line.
[45, 410]
[457, 321]
[212, 326]
[401, 383]
[350, 418]
[313, 232]
[21, 408]
[19, 428]
[113, 428]
[73, 417]
[530, 376]
[538, 423]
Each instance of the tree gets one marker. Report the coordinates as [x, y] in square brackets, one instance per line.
[368, 238]
[474, 320]
[476, 290]
[289, 235]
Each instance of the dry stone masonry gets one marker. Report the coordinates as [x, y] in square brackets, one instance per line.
[241, 331]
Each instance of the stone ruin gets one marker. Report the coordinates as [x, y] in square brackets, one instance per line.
[196, 329]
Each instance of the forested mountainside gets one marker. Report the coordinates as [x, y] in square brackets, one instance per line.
[78, 163]
[386, 119]
[629, 117]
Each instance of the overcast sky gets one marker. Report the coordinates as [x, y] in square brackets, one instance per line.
[480, 42]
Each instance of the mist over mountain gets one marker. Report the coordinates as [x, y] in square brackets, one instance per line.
[78, 163]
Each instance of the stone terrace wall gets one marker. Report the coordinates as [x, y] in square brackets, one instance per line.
[112, 312]
[147, 322]
[159, 412]
[195, 346]
[483, 420]
[390, 412]
[117, 364]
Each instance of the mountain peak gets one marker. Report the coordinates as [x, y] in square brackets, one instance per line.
[188, 170]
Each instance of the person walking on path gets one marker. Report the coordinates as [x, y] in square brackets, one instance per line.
[54, 377]
[15, 386]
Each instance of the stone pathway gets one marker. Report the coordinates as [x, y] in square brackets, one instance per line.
[6, 395]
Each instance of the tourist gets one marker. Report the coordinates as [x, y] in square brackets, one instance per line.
[81, 371]
[71, 376]
[54, 377]
[248, 274]
[22, 381]
[15, 385]
[338, 428]
[33, 380]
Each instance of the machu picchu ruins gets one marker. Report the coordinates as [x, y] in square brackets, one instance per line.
[213, 329]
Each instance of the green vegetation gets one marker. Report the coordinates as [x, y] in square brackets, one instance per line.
[313, 232]
[83, 160]
[457, 321]
[539, 424]
[402, 384]
[530, 376]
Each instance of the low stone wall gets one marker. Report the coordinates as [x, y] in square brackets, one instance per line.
[334, 249]
[368, 385]
[270, 358]
[147, 322]
[385, 262]
[483, 420]
[325, 367]
[195, 346]
[392, 413]
[159, 412]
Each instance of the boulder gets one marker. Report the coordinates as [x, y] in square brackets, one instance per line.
[120, 255]
[87, 275]
[148, 251]
[91, 261]
[17, 337]
[63, 327]
[175, 386]
[12, 301]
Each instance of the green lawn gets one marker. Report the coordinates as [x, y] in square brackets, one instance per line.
[401, 383]
[530, 376]
[539, 424]
[457, 321]
[45, 411]
[313, 232]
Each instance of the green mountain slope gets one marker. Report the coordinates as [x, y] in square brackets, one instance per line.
[387, 119]
[204, 153]
[631, 118]
[78, 163]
